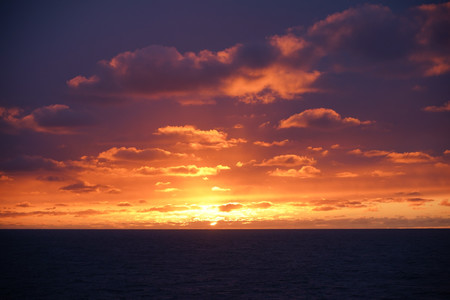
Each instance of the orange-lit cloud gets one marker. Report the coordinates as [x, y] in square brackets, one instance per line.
[183, 171]
[287, 160]
[132, 153]
[230, 206]
[444, 107]
[303, 172]
[274, 143]
[323, 118]
[257, 71]
[200, 139]
[396, 157]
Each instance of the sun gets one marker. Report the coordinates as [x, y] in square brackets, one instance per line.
[213, 223]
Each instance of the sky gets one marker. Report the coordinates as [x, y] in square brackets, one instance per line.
[225, 114]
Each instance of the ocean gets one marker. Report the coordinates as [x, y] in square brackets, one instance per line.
[225, 264]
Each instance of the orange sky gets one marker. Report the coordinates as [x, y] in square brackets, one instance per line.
[318, 127]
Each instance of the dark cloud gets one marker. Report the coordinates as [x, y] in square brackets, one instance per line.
[31, 163]
[81, 187]
[51, 178]
[361, 39]
[54, 119]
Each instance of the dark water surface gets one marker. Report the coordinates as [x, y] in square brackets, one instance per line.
[225, 264]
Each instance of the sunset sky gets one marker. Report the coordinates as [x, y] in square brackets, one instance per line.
[225, 114]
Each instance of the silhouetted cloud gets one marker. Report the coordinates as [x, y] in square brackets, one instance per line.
[55, 119]
[323, 118]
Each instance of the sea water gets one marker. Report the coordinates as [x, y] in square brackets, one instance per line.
[225, 264]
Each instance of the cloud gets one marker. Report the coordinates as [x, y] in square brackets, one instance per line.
[418, 201]
[162, 183]
[443, 108]
[322, 118]
[24, 204]
[282, 66]
[219, 189]
[81, 187]
[274, 143]
[445, 203]
[287, 160]
[346, 175]
[31, 163]
[51, 178]
[199, 139]
[410, 157]
[303, 172]
[354, 40]
[230, 206]
[4, 177]
[432, 37]
[79, 213]
[397, 157]
[240, 71]
[168, 190]
[124, 204]
[380, 173]
[260, 205]
[182, 171]
[132, 153]
[169, 208]
[54, 119]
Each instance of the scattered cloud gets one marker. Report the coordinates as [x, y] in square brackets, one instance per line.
[168, 190]
[79, 213]
[4, 177]
[442, 108]
[182, 171]
[24, 204]
[380, 173]
[132, 153]
[219, 189]
[169, 208]
[261, 205]
[321, 118]
[199, 139]
[81, 187]
[346, 175]
[397, 157]
[274, 143]
[287, 160]
[124, 204]
[303, 172]
[230, 206]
